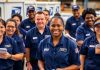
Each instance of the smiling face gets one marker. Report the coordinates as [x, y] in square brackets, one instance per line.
[40, 20]
[2, 29]
[10, 28]
[97, 29]
[17, 20]
[31, 14]
[76, 13]
[56, 27]
[89, 19]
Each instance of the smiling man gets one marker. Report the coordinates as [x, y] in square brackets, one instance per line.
[33, 38]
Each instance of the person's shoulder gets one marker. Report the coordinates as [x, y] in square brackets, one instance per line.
[32, 30]
[90, 38]
[8, 39]
[46, 40]
[70, 18]
[81, 27]
[25, 20]
[17, 37]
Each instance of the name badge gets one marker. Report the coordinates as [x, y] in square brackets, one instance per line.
[27, 26]
[87, 34]
[73, 24]
[92, 46]
[46, 49]
[34, 38]
[7, 46]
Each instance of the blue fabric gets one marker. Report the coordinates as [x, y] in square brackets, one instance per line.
[26, 25]
[62, 55]
[18, 65]
[33, 38]
[92, 61]
[12, 49]
[83, 32]
[72, 24]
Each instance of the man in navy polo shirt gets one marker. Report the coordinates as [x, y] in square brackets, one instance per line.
[33, 38]
[73, 22]
[28, 23]
[86, 29]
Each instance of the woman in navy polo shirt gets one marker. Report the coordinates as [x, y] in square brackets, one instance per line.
[85, 30]
[10, 53]
[90, 51]
[57, 52]
[12, 31]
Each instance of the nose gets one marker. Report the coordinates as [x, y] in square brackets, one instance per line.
[56, 27]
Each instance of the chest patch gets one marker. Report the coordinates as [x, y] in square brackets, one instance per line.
[46, 49]
[7, 46]
[27, 26]
[73, 24]
[63, 49]
[34, 38]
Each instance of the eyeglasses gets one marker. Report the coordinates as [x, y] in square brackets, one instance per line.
[11, 27]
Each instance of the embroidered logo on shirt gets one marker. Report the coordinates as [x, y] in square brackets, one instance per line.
[87, 34]
[27, 26]
[91, 46]
[9, 45]
[34, 38]
[46, 49]
[63, 49]
[76, 50]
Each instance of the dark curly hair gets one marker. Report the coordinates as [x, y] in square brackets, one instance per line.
[88, 11]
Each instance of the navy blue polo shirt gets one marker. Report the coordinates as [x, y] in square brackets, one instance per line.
[83, 32]
[20, 43]
[26, 25]
[72, 24]
[7, 64]
[33, 38]
[64, 54]
[18, 65]
[92, 61]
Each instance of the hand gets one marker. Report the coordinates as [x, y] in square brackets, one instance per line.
[5, 55]
[29, 66]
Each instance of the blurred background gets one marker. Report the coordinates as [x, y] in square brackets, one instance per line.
[9, 7]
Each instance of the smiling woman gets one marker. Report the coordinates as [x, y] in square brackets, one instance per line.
[9, 49]
[90, 51]
[57, 52]
[12, 31]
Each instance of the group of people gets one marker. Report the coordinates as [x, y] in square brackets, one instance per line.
[49, 43]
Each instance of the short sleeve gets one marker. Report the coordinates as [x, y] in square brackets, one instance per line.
[21, 45]
[15, 47]
[84, 48]
[80, 34]
[40, 47]
[74, 53]
[67, 26]
[27, 42]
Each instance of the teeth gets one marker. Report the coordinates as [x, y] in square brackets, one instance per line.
[56, 31]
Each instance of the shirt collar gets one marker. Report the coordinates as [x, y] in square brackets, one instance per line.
[61, 42]
[45, 30]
